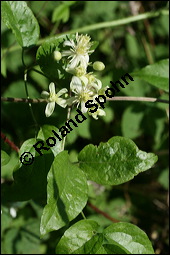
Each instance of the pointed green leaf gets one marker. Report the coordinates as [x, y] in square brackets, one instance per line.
[79, 237]
[67, 194]
[46, 132]
[156, 74]
[128, 237]
[19, 17]
[114, 162]
[45, 58]
[4, 158]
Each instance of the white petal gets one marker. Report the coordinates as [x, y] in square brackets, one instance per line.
[62, 102]
[99, 83]
[61, 92]
[94, 115]
[83, 108]
[74, 62]
[101, 112]
[45, 94]
[76, 84]
[84, 80]
[68, 43]
[52, 88]
[49, 109]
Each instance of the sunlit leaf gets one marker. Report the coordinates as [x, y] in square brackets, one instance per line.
[67, 194]
[128, 237]
[19, 17]
[156, 74]
[78, 237]
[114, 162]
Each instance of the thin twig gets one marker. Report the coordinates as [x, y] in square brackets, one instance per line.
[137, 99]
[114, 23]
[102, 213]
[26, 88]
[23, 100]
[11, 144]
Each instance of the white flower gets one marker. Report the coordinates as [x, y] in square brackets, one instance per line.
[93, 81]
[97, 113]
[79, 51]
[85, 88]
[82, 92]
[53, 98]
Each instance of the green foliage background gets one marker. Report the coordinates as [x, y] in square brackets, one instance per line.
[127, 48]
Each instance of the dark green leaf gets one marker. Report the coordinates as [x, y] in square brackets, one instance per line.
[67, 194]
[156, 74]
[45, 58]
[128, 237]
[114, 162]
[78, 237]
[19, 17]
[4, 158]
[114, 249]
[30, 181]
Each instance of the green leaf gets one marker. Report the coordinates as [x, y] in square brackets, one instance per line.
[113, 249]
[67, 194]
[129, 238]
[4, 158]
[30, 181]
[61, 12]
[114, 162]
[46, 132]
[45, 58]
[78, 237]
[19, 17]
[156, 74]
[131, 121]
[92, 246]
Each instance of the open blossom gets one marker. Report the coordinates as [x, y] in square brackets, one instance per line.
[53, 98]
[79, 51]
[85, 88]
[82, 92]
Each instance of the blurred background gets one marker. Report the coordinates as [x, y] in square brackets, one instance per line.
[123, 49]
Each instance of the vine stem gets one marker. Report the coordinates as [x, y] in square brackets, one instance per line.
[26, 88]
[8, 141]
[102, 213]
[114, 23]
[137, 99]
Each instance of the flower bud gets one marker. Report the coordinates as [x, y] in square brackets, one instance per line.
[98, 66]
[57, 55]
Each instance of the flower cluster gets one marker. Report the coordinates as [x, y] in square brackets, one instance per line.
[85, 86]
